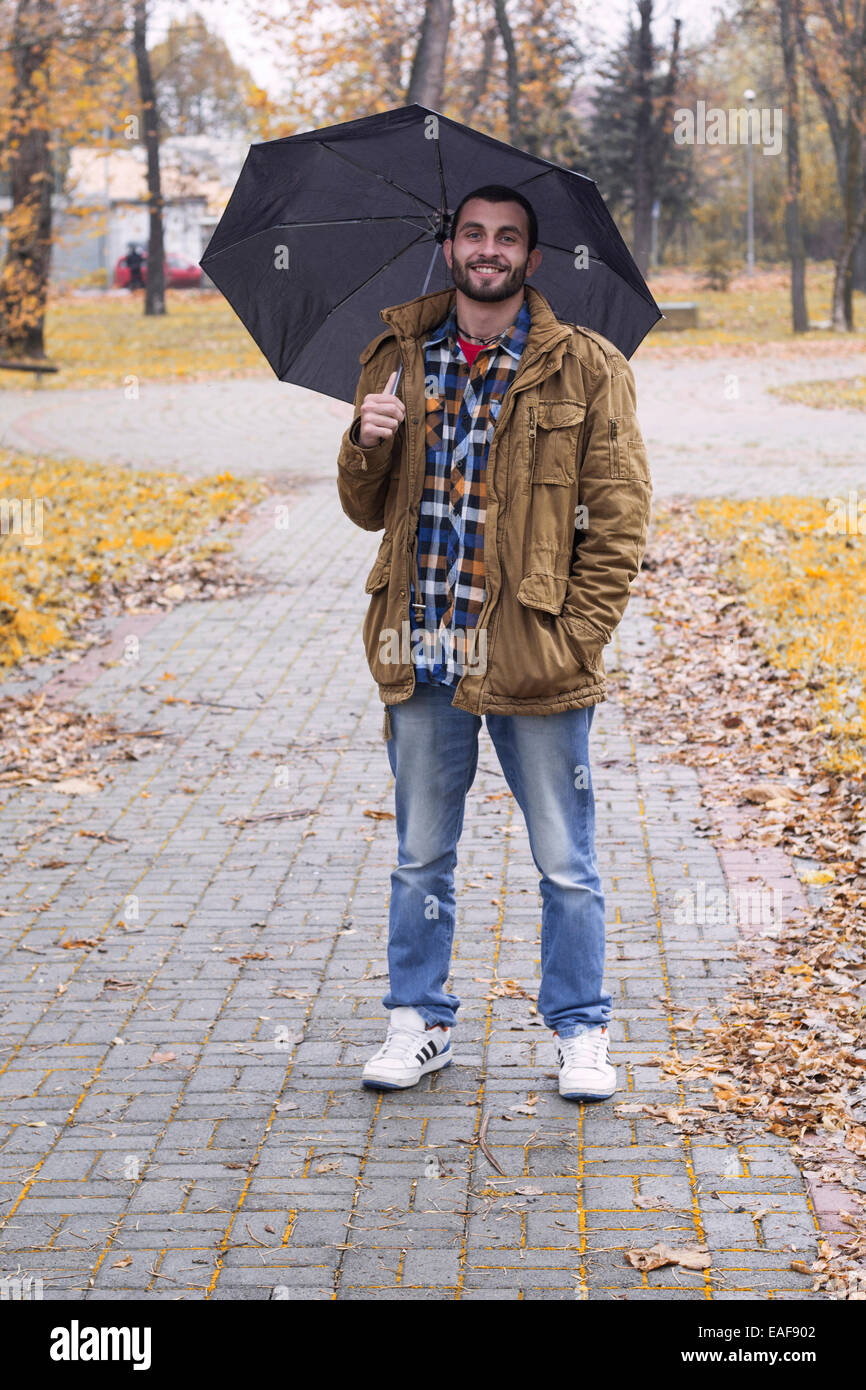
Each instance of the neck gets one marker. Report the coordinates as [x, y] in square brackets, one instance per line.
[482, 320]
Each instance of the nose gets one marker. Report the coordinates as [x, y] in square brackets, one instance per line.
[489, 252]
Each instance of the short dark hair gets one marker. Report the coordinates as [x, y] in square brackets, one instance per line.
[500, 193]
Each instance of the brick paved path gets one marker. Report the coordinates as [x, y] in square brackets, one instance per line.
[724, 409]
[251, 1163]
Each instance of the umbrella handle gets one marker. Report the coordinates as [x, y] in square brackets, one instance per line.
[393, 391]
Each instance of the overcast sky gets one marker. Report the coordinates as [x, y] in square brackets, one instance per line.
[228, 17]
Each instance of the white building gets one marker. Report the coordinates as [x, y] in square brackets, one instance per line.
[105, 204]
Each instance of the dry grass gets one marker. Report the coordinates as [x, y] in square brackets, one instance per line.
[842, 393]
[753, 309]
[85, 529]
[801, 566]
[102, 340]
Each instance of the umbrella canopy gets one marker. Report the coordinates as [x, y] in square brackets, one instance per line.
[325, 229]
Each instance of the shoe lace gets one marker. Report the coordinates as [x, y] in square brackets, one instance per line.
[586, 1049]
[399, 1040]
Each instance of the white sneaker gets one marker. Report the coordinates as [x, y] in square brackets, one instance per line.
[410, 1051]
[585, 1070]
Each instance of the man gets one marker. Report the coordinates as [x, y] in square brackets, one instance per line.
[512, 483]
[134, 262]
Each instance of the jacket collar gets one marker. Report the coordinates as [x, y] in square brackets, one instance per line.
[420, 316]
[512, 342]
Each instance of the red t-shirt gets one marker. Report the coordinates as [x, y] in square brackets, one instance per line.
[470, 350]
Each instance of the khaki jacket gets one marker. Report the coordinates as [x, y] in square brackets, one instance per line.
[568, 507]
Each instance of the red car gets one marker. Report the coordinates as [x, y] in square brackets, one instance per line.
[180, 274]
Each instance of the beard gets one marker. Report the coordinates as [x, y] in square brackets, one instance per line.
[475, 287]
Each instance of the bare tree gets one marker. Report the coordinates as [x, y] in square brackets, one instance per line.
[154, 295]
[793, 227]
[477, 86]
[643, 138]
[841, 51]
[427, 81]
[512, 72]
[654, 104]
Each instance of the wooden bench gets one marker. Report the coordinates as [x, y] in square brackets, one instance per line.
[40, 368]
[677, 317]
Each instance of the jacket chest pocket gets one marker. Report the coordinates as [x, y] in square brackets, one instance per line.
[554, 430]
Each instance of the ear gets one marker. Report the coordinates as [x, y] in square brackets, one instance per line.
[533, 261]
[446, 251]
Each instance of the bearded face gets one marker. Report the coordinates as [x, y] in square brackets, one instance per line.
[486, 277]
[489, 251]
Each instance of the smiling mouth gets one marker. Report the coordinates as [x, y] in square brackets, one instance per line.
[488, 269]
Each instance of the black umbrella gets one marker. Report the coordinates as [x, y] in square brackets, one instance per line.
[326, 228]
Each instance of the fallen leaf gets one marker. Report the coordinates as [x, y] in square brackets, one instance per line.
[659, 1255]
[78, 786]
[817, 876]
[765, 791]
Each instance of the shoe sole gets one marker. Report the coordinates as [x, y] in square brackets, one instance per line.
[435, 1064]
[587, 1095]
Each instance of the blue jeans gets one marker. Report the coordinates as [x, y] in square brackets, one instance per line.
[433, 752]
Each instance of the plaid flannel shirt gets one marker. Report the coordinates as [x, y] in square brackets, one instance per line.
[462, 404]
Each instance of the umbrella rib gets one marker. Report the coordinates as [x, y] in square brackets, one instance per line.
[287, 226]
[348, 221]
[366, 170]
[358, 288]
[443, 196]
[569, 251]
[542, 174]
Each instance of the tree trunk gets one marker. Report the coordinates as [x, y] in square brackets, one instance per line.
[511, 71]
[662, 135]
[858, 266]
[24, 279]
[793, 228]
[845, 126]
[154, 295]
[843, 312]
[644, 139]
[427, 82]
[474, 93]
[843, 290]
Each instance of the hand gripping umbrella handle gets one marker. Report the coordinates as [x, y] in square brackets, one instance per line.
[424, 291]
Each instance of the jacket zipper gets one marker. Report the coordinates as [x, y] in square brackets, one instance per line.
[532, 428]
[614, 449]
[412, 579]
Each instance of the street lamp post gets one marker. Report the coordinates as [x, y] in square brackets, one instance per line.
[654, 242]
[750, 189]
